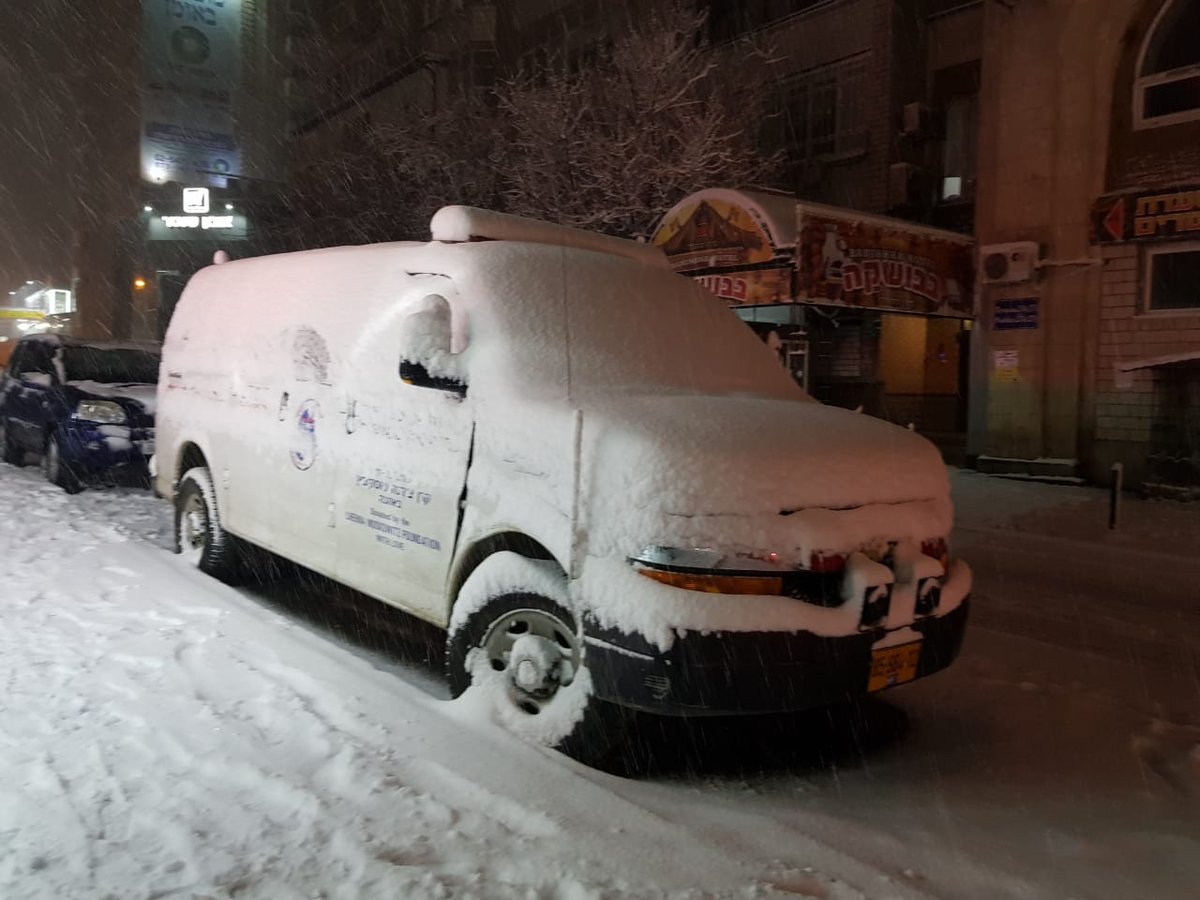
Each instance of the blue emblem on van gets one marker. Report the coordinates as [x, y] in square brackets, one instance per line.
[304, 448]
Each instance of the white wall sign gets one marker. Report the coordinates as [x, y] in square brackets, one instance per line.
[229, 227]
[191, 66]
[1006, 365]
[195, 200]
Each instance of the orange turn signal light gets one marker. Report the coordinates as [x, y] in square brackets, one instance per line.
[717, 584]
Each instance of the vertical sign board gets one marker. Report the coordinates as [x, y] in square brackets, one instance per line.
[191, 59]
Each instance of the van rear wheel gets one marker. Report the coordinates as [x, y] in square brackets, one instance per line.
[199, 536]
[514, 640]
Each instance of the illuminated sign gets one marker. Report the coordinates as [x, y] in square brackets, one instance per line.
[192, 226]
[1165, 214]
[750, 288]
[195, 200]
[203, 222]
[191, 75]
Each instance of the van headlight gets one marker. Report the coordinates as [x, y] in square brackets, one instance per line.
[105, 412]
[707, 571]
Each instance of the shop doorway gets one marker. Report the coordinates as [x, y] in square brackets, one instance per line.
[1174, 458]
[921, 368]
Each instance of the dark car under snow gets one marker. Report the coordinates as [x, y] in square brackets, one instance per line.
[85, 407]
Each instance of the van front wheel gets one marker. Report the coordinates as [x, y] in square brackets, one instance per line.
[199, 536]
[513, 640]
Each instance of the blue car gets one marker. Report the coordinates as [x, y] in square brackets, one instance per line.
[85, 407]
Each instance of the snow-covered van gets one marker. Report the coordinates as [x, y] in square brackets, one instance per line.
[582, 466]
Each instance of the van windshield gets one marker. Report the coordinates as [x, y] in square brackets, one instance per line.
[671, 336]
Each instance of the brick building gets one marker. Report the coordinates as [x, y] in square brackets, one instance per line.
[1090, 149]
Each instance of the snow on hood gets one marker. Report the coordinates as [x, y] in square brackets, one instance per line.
[142, 394]
[742, 471]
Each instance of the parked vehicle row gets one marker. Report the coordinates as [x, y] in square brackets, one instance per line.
[84, 408]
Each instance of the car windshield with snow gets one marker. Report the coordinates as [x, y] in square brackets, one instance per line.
[491, 432]
[85, 407]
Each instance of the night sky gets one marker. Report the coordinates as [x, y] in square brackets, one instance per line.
[36, 140]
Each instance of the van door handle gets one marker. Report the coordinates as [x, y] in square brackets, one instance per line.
[283, 403]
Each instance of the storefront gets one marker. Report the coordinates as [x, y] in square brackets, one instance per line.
[863, 310]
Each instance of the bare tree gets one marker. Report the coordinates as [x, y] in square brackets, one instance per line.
[388, 180]
[612, 144]
[609, 143]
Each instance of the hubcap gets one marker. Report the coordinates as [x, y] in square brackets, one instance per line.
[193, 527]
[537, 652]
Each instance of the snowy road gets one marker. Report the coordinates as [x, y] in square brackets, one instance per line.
[162, 735]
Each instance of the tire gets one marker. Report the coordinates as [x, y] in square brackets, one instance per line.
[513, 639]
[9, 451]
[198, 533]
[57, 470]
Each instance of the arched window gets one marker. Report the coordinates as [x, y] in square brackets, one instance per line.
[1166, 90]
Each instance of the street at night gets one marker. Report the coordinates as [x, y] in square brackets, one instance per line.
[589, 449]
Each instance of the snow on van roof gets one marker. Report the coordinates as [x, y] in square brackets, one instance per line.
[459, 224]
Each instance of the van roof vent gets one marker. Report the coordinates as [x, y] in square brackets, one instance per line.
[460, 224]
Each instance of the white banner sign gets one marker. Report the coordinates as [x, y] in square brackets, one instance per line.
[192, 68]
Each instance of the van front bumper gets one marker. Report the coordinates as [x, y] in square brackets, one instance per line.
[753, 671]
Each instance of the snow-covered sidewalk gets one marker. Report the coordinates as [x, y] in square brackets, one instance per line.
[162, 735]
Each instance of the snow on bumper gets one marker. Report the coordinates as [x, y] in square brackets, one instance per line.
[98, 447]
[672, 651]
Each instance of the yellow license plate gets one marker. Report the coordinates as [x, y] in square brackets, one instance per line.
[893, 665]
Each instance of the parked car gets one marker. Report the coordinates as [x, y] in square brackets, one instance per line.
[582, 466]
[85, 407]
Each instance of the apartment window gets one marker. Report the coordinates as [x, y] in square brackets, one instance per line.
[956, 96]
[1173, 279]
[729, 19]
[1167, 88]
[820, 113]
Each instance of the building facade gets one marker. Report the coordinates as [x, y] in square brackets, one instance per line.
[1090, 129]
[173, 98]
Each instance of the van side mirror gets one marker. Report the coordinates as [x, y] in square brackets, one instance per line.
[426, 359]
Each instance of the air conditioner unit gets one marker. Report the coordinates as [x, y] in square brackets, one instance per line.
[1008, 263]
[916, 120]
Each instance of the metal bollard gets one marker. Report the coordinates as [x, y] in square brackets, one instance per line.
[1114, 496]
